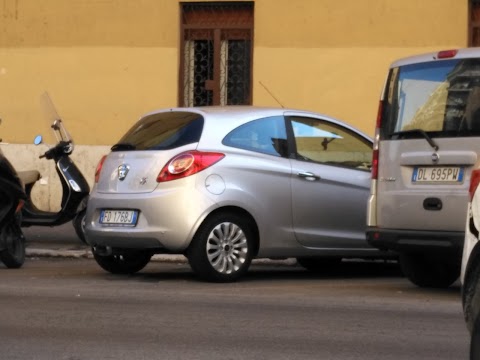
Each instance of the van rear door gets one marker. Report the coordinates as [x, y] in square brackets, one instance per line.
[428, 143]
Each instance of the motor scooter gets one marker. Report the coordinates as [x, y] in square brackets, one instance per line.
[12, 198]
[75, 188]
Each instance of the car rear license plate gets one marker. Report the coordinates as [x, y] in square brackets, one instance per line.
[438, 174]
[119, 217]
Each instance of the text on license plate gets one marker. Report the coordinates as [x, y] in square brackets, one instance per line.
[119, 217]
[438, 174]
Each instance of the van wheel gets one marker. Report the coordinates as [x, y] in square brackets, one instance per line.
[127, 263]
[221, 250]
[319, 264]
[429, 271]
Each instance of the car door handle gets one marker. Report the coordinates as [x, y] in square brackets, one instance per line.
[308, 175]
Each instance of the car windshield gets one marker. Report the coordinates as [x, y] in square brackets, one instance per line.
[167, 130]
[442, 98]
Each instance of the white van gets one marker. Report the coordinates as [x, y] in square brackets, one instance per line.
[427, 141]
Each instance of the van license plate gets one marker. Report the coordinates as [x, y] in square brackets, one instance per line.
[119, 217]
[438, 174]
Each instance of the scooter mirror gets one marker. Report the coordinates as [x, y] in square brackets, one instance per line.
[38, 140]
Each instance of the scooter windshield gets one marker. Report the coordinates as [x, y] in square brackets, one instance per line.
[57, 125]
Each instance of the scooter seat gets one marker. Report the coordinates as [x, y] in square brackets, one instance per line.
[29, 176]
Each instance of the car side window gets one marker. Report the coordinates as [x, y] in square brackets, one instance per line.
[266, 135]
[327, 143]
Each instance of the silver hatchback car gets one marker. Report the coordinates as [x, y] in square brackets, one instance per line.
[223, 185]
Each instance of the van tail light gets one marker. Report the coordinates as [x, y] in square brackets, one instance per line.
[98, 170]
[188, 163]
[375, 164]
[375, 153]
[474, 181]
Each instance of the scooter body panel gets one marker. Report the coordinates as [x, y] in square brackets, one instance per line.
[75, 189]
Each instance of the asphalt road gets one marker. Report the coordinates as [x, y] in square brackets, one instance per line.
[60, 308]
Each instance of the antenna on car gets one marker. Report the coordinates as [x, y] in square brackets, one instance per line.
[270, 93]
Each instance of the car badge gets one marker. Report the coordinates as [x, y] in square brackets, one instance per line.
[435, 158]
[143, 181]
[123, 171]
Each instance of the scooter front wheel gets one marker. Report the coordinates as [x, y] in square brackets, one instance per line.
[79, 225]
[13, 253]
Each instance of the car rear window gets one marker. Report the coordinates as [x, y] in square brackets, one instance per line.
[441, 98]
[162, 131]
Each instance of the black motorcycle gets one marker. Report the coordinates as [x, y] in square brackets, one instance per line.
[75, 189]
[12, 199]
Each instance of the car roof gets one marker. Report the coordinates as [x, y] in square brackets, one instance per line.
[464, 53]
[231, 110]
[243, 112]
[239, 114]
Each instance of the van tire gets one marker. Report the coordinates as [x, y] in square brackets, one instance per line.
[429, 271]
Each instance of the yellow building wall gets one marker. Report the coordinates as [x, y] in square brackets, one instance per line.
[106, 62]
[332, 56]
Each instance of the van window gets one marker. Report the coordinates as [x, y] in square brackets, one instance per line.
[441, 98]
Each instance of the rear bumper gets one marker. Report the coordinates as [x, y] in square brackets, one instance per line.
[416, 241]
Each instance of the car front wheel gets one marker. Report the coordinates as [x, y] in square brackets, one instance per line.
[128, 262]
[221, 250]
[429, 271]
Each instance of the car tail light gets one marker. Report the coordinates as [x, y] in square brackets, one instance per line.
[188, 163]
[376, 141]
[446, 54]
[98, 170]
[474, 181]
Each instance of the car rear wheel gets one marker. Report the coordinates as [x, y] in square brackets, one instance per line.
[429, 271]
[221, 250]
[128, 262]
[319, 264]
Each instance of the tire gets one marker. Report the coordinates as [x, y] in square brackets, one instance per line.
[319, 264]
[127, 263]
[429, 271]
[475, 341]
[471, 297]
[222, 248]
[13, 255]
[79, 225]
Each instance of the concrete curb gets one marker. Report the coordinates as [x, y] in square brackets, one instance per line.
[77, 254]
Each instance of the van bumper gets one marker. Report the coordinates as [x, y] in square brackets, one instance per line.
[416, 241]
